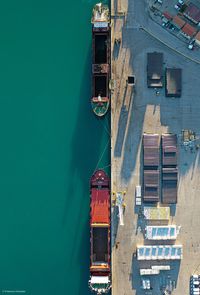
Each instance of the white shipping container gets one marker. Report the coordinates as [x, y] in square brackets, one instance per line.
[196, 290]
[138, 201]
[138, 191]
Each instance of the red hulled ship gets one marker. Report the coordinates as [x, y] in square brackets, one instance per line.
[100, 268]
[100, 59]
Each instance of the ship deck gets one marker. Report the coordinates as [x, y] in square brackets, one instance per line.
[100, 50]
[100, 244]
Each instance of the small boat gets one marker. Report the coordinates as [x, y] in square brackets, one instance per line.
[100, 268]
[100, 59]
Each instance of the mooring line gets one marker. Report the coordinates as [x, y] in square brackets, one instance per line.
[102, 155]
[106, 129]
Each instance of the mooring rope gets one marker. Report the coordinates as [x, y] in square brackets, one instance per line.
[106, 146]
[106, 128]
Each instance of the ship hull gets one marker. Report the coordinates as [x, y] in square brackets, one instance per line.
[100, 264]
[101, 45]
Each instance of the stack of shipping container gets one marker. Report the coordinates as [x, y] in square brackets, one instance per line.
[151, 168]
[169, 168]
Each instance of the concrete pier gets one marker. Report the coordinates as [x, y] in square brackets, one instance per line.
[137, 109]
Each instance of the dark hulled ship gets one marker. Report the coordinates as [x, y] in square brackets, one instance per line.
[100, 59]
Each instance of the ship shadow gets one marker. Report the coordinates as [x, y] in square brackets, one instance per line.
[83, 261]
[89, 132]
[86, 155]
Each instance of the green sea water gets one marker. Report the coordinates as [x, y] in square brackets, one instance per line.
[50, 145]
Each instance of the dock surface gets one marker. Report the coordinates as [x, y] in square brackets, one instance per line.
[138, 109]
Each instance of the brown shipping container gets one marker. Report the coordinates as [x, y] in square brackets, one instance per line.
[169, 185]
[151, 149]
[151, 185]
[169, 150]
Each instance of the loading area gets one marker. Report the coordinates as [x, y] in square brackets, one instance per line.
[156, 247]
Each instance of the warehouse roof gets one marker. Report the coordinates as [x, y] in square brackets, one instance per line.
[167, 15]
[197, 37]
[189, 30]
[179, 22]
[193, 12]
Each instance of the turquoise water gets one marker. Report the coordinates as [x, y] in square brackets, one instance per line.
[50, 145]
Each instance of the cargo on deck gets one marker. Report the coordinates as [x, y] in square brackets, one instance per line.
[100, 269]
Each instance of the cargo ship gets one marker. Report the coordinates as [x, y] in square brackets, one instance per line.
[100, 59]
[100, 264]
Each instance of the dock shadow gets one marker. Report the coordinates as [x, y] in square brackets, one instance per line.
[116, 49]
[174, 272]
[159, 283]
[173, 210]
[132, 142]
[121, 131]
[135, 275]
[141, 222]
[115, 224]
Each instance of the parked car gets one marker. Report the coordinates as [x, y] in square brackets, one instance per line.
[191, 45]
[177, 7]
[195, 285]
